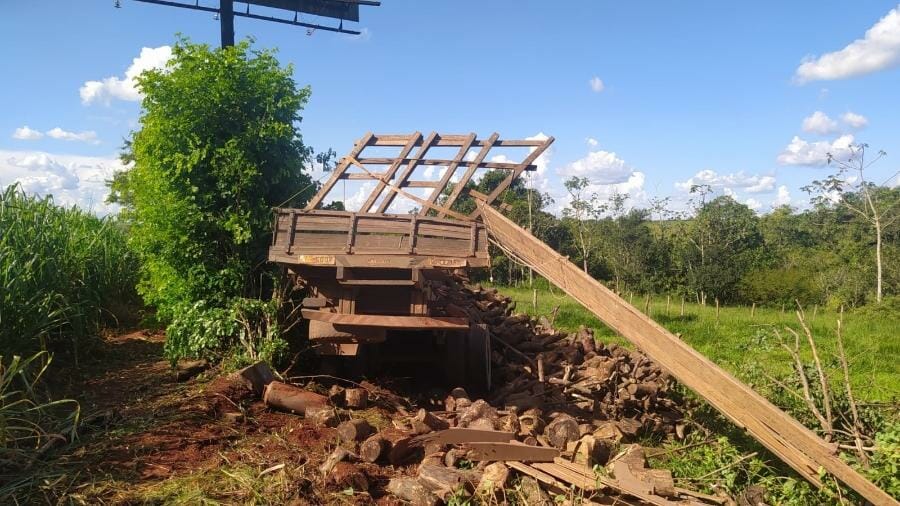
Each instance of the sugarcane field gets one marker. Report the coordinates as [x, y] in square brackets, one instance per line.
[386, 252]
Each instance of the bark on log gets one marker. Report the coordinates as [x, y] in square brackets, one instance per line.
[257, 376]
[410, 490]
[356, 398]
[290, 398]
[374, 448]
[354, 430]
[561, 430]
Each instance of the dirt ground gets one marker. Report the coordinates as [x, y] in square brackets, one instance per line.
[148, 438]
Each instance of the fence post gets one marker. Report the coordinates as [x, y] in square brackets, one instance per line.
[752, 310]
[717, 310]
[668, 300]
[682, 305]
[534, 300]
[647, 305]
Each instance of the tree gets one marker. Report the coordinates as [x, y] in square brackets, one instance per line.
[849, 188]
[218, 147]
[582, 208]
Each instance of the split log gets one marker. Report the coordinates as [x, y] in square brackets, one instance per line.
[430, 421]
[494, 478]
[356, 398]
[354, 430]
[444, 481]
[290, 398]
[338, 455]
[257, 376]
[346, 475]
[324, 416]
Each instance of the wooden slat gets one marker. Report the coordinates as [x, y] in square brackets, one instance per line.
[449, 140]
[509, 451]
[796, 445]
[388, 174]
[465, 145]
[514, 174]
[377, 282]
[407, 171]
[467, 175]
[406, 322]
[563, 474]
[387, 260]
[338, 171]
[441, 162]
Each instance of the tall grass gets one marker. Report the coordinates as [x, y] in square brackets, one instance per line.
[63, 272]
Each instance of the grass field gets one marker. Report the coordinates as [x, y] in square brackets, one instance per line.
[748, 345]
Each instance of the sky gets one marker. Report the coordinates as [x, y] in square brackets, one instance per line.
[643, 98]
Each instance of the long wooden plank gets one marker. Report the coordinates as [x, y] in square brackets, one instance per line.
[449, 140]
[406, 322]
[441, 162]
[339, 171]
[457, 435]
[388, 174]
[407, 171]
[796, 445]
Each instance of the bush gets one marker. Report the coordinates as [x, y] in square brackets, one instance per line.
[218, 147]
[63, 272]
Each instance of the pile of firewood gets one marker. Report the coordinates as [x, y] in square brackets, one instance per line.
[540, 367]
[566, 406]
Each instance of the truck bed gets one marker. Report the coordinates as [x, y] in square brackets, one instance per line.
[319, 237]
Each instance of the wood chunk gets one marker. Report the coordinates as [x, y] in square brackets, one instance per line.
[482, 424]
[339, 454]
[494, 478]
[186, 370]
[410, 490]
[443, 481]
[346, 475]
[561, 430]
[509, 451]
[324, 416]
[661, 482]
[290, 398]
[354, 430]
[402, 450]
[257, 376]
[356, 398]
[374, 449]
[430, 421]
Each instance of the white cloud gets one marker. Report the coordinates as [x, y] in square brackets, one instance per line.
[72, 180]
[782, 198]
[854, 120]
[27, 134]
[819, 123]
[601, 167]
[877, 50]
[117, 88]
[753, 204]
[752, 183]
[592, 142]
[597, 84]
[85, 136]
[802, 152]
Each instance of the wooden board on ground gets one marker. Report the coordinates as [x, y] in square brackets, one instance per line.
[459, 435]
[509, 451]
[796, 445]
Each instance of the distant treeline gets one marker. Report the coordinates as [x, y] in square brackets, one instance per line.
[722, 249]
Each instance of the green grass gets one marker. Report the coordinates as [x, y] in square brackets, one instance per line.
[746, 345]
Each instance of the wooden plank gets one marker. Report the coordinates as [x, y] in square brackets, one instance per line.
[406, 322]
[457, 435]
[451, 169]
[407, 171]
[563, 474]
[513, 175]
[537, 474]
[796, 445]
[450, 140]
[437, 161]
[377, 282]
[385, 179]
[509, 451]
[338, 172]
[467, 175]
[387, 260]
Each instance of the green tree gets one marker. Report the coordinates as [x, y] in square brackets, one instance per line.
[581, 214]
[218, 147]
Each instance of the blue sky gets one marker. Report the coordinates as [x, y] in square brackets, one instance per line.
[714, 92]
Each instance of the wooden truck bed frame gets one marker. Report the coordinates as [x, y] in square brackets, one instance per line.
[369, 271]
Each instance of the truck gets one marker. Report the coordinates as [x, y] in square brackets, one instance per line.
[370, 269]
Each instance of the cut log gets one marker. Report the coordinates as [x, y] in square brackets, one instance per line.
[374, 448]
[410, 490]
[354, 430]
[429, 420]
[324, 416]
[444, 481]
[290, 398]
[257, 376]
[356, 398]
[562, 430]
[346, 475]
[494, 478]
[186, 370]
[338, 455]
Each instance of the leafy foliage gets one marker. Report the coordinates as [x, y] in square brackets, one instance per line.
[63, 272]
[218, 147]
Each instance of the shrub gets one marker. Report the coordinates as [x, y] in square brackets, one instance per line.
[779, 286]
[218, 147]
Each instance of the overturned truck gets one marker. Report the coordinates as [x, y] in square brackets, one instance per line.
[370, 273]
